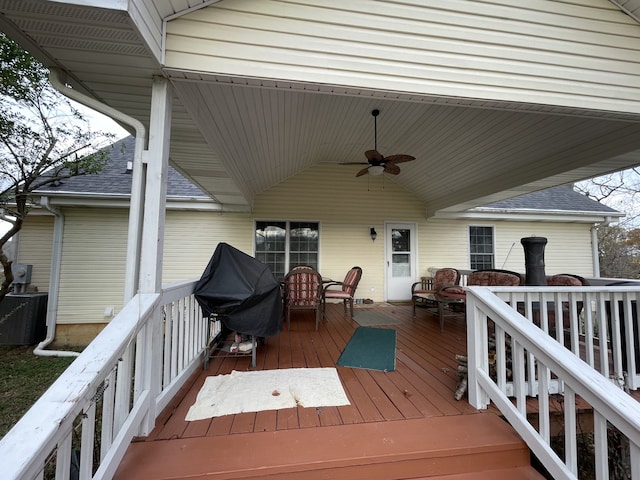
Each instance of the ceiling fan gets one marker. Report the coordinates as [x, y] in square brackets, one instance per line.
[376, 163]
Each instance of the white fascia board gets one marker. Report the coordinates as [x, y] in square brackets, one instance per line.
[559, 216]
[122, 201]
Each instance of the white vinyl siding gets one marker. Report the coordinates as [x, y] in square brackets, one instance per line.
[93, 267]
[93, 264]
[191, 237]
[444, 243]
[35, 243]
[577, 54]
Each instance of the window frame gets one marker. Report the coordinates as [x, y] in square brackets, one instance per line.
[287, 242]
[470, 245]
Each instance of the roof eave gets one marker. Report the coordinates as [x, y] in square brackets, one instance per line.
[525, 215]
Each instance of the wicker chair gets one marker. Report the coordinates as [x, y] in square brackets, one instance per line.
[346, 292]
[302, 291]
[444, 277]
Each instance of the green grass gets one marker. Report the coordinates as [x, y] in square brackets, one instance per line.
[25, 377]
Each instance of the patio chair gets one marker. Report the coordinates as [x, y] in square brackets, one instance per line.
[442, 278]
[346, 292]
[487, 278]
[302, 291]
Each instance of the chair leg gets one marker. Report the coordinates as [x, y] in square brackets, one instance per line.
[344, 306]
[289, 319]
[317, 317]
[351, 306]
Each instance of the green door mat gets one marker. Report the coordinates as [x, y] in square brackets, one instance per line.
[370, 348]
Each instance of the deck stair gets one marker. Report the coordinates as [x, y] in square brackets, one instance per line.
[456, 447]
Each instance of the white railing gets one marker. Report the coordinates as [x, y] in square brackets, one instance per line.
[82, 425]
[510, 356]
[598, 324]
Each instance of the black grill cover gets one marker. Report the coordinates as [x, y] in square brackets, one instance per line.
[242, 291]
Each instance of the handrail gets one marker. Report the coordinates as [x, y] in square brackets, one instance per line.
[155, 344]
[536, 355]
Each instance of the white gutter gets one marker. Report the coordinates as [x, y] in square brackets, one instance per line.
[134, 239]
[54, 286]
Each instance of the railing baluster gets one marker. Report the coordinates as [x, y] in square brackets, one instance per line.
[88, 439]
[543, 402]
[600, 446]
[616, 340]
[108, 398]
[63, 458]
[589, 333]
[519, 381]
[631, 323]
[603, 335]
[570, 430]
[501, 358]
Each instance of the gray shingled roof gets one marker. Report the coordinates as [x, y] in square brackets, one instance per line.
[562, 198]
[116, 180]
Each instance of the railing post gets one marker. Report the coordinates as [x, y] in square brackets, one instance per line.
[477, 353]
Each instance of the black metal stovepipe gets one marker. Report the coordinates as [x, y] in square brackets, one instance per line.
[534, 260]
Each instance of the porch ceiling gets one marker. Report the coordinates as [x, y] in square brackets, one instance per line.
[237, 137]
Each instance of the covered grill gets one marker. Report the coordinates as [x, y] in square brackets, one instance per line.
[242, 292]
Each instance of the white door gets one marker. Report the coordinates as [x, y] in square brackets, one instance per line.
[400, 252]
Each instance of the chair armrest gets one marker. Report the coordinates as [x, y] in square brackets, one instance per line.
[425, 284]
[330, 284]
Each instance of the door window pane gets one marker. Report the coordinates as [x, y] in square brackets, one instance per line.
[400, 240]
[400, 265]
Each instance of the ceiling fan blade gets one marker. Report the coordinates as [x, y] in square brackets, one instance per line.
[354, 163]
[391, 169]
[364, 171]
[399, 158]
[373, 156]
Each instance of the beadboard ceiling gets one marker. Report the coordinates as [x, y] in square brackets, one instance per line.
[237, 137]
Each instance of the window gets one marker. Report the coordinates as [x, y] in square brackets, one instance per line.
[283, 245]
[481, 247]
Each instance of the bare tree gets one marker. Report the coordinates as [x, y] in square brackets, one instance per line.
[618, 245]
[43, 139]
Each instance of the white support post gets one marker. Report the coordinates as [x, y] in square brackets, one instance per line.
[156, 187]
[151, 254]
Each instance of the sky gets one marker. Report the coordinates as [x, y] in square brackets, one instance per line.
[100, 122]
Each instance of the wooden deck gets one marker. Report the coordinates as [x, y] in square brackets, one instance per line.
[400, 424]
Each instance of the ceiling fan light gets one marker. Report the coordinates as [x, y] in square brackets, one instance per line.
[376, 170]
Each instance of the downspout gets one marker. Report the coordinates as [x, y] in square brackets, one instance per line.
[594, 245]
[134, 239]
[594, 251]
[54, 282]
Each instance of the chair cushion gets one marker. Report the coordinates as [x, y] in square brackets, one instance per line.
[564, 280]
[493, 278]
[337, 294]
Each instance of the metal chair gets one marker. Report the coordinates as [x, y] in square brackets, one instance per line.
[302, 291]
[347, 290]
